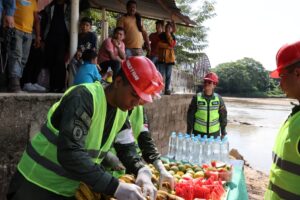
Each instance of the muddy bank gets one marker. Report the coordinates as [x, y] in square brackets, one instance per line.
[257, 183]
[256, 180]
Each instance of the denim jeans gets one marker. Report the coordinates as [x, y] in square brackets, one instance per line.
[133, 52]
[166, 72]
[18, 53]
[154, 59]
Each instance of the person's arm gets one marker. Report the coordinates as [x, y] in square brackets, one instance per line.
[120, 22]
[9, 7]
[223, 117]
[126, 150]
[121, 51]
[174, 28]
[73, 119]
[37, 28]
[108, 46]
[94, 41]
[191, 114]
[146, 38]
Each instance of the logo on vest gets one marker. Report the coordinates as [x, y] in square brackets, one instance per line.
[215, 103]
[132, 71]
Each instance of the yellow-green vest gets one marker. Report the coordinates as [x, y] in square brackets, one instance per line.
[136, 119]
[285, 170]
[207, 115]
[39, 163]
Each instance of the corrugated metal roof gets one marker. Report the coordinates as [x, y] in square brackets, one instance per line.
[153, 9]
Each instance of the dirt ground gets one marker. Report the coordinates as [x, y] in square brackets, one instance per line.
[257, 183]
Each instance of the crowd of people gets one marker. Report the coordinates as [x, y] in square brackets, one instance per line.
[40, 40]
[75, 144]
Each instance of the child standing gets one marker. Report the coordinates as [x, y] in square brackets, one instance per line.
[88, 71]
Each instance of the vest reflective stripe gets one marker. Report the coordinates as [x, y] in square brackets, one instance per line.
[53, 139]
[45, 162]
[207, 115]
[286, 165]
[39, 163]
[281, 193]
[285, 169]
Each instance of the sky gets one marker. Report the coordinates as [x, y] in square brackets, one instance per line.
[251, 28]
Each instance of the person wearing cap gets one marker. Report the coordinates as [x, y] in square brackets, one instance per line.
[79, 131]
[207, 114]
[284, 176]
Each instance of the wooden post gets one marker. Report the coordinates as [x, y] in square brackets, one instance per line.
[104, 31]
[74, 27]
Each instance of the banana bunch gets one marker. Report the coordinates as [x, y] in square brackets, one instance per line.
[127, 178]
[163, 195]
[85, 193]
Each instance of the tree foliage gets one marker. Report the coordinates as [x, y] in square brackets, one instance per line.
[192, 41]
[242, 76]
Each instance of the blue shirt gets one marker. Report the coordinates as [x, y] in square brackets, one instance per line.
[9, 7]
[87, 73]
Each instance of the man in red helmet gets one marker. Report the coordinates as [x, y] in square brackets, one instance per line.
[285, 174]
[207, 114]
[79, 131]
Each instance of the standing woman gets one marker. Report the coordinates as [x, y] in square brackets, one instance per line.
[55, 25]
[166, 54]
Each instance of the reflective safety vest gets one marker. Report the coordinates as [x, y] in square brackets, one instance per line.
[136, 119]
[207, 115]
[39, 163]
[284, 180]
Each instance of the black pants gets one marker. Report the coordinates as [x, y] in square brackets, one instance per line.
[114, 64]
[55, 52]
[33, 65]
[21, 189]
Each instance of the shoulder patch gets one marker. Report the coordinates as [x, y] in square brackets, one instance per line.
[79, 130]
[77, 133]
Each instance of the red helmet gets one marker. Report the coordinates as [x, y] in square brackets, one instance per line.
[143, 76]
[287, 55]
[211, 76]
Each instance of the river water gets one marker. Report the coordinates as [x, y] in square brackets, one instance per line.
[253, 127]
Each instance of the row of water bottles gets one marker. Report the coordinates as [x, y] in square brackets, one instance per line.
[197, 150]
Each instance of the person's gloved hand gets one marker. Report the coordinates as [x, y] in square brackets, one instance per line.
[127, 191]
[113, 161]
[164, 175]
[144, 181]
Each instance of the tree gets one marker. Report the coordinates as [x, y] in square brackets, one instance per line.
[243, 76]
[192, 41]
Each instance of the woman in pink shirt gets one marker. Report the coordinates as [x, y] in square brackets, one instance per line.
[112, 52]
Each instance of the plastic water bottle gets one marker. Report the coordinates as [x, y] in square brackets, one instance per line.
[186, 148]
[202, 152]
[225, 150]
[172, 145]
[208, 151]
[179, 145]
[216, 149]
[195, 153]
